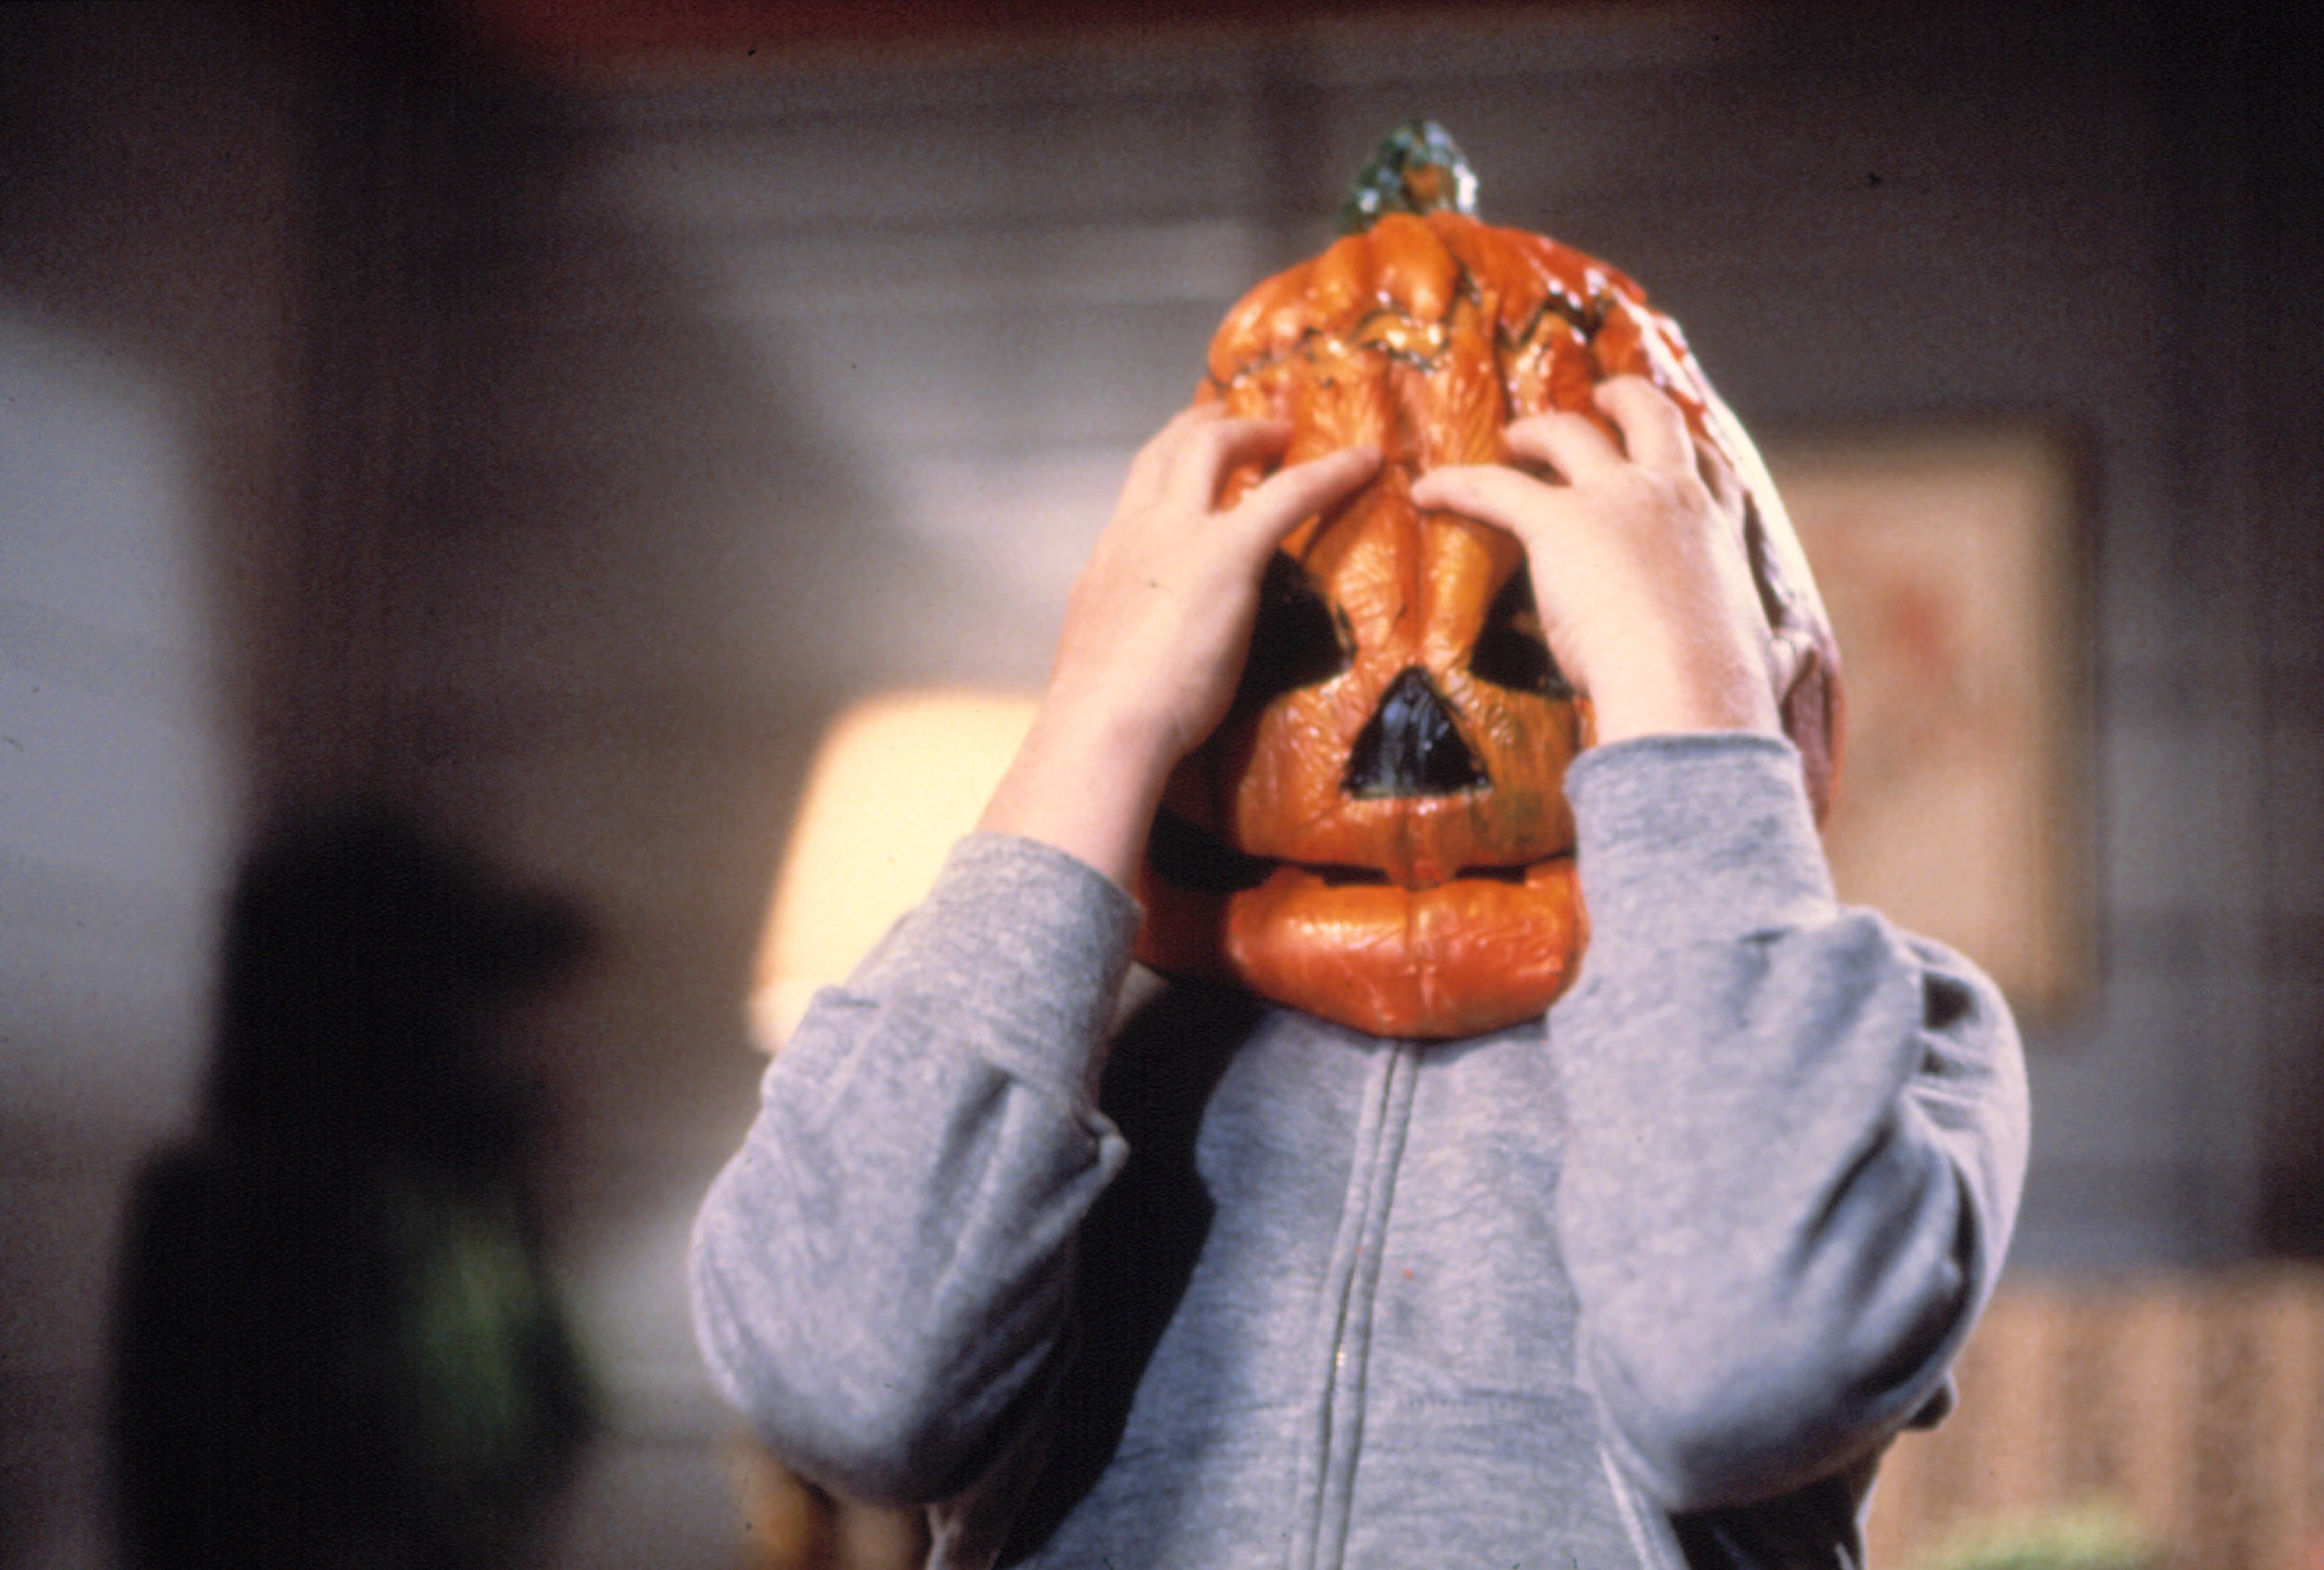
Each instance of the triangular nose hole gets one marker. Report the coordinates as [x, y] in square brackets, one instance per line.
[1410, 747]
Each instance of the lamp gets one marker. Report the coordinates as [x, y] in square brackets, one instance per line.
[896, 780]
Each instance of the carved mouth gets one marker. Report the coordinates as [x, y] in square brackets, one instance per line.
[1184, 855]
[1201, 863]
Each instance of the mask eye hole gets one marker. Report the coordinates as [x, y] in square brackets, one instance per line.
[1297, 640]
[1510, 650]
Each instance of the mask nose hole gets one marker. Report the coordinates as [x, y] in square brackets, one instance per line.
[1410, 746]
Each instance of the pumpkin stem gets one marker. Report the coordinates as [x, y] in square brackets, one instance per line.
[1418, 167]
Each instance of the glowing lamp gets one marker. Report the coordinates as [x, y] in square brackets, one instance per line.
[897, 778]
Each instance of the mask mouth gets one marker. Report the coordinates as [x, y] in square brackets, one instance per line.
[1189, 858]
[1201, 863]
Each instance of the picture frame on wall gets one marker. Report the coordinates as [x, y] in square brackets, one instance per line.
[1949, 557]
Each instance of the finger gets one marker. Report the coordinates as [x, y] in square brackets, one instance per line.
[1492, 493]
[1719, 478]
[1571, 446]
[1654, 432]
[1151, 464]
[1277, 505]
[1199, 463]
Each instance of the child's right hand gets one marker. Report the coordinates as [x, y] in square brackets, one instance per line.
[1155, 633]
[1158, 623]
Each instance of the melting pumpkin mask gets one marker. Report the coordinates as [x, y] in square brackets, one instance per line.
[1378, 834]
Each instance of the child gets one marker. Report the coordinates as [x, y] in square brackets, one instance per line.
[1651, 1282]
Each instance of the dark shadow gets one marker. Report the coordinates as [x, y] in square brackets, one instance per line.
[336, 1338]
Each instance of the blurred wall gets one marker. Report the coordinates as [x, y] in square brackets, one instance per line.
[560, 455]
[146, 301]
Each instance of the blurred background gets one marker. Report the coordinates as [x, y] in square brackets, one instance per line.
[550, 416]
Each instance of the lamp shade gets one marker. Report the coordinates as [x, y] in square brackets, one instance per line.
[897, 778]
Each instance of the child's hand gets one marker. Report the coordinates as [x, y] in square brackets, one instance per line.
[1638, 561]
[1160, 620]
[1156, 630]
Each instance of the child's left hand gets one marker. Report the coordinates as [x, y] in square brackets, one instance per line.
[1638, 561]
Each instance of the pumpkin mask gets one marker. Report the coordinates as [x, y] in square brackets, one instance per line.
[1378, 833]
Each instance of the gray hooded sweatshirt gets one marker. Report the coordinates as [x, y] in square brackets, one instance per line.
[1195, 1281]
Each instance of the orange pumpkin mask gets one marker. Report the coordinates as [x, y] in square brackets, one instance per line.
[1378, 833]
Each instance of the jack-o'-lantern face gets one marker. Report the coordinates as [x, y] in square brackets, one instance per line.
[1378, 833]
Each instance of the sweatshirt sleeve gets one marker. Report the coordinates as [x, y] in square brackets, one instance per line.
[1797, 1134]
[881, 1273]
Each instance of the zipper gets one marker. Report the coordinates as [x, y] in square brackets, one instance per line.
[1651, 1537]
[1326, 1479]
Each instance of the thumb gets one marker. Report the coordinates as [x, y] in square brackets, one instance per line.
[1277, 505]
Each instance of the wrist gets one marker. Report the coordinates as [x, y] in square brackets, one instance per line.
[1111, 726]
[1087, 782]
[1689, 687]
